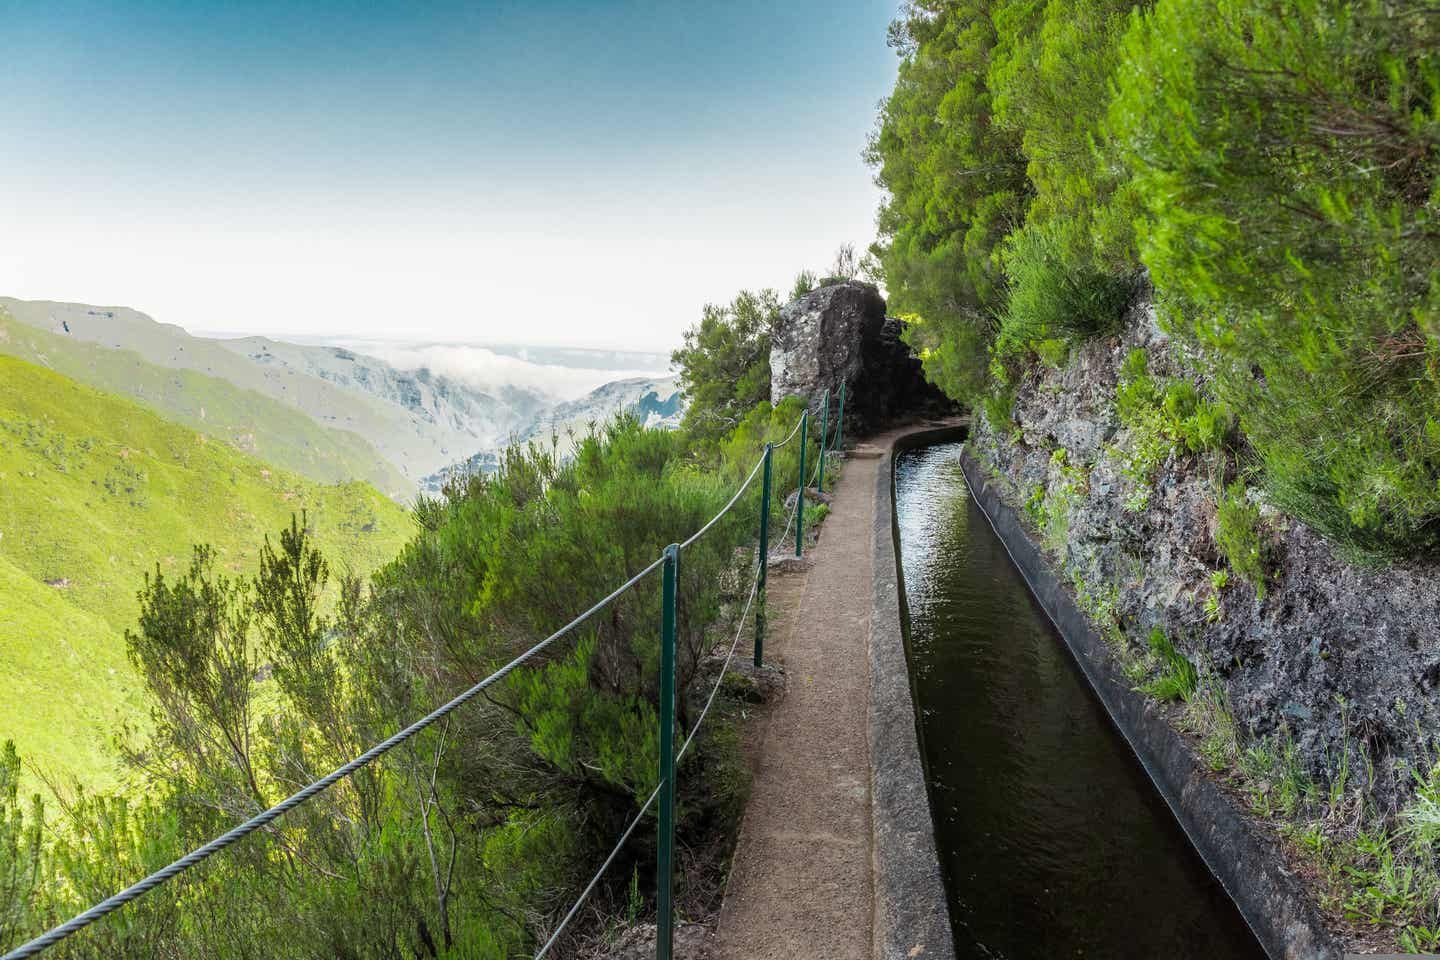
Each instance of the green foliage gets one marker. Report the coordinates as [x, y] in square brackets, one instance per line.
[252, 423]
[1008, 220]
[724, 365]
[1176, 677]
[259, 683]
[1240, 536]
[956, 185]
[1053, 353]
[96, 491]
[21, 826]
[999, 409]
[1208, 717]
[1162, 417]
[1277, 781]
[805, 281]
[1064, 494]
[767, 424]
[1274, 167]
[1421, 817]
[1288, 159]
[1051, 299]
[1051, 77]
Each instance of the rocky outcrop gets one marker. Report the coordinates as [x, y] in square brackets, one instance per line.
[837, 334]
[1342, 657]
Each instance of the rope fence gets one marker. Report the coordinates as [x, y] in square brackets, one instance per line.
[664, 792]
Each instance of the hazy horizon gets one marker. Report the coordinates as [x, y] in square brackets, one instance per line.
[593, 173]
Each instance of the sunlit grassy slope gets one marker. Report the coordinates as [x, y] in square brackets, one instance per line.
[96, 490]
[250, 421]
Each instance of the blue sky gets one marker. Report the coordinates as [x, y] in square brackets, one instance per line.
[587, 173]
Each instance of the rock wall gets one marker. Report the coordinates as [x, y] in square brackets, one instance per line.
[1336, 654]
[839, 333]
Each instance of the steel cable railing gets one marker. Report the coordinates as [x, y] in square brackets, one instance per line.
[595, 880]
[726, 509]
[625, 835]
[263, 819]
[724, 667]
[794, 430]
[138, 889]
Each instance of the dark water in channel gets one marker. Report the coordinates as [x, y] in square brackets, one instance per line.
[1054, 841]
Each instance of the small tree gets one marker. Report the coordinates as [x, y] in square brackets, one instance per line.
[725, 363]
[20, 852]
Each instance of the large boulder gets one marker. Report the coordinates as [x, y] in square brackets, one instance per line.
[837, 334]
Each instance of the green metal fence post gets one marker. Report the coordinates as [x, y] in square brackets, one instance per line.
[840, 422]
[824, 433]
[665, 852]
[800, 494]
[764, 555]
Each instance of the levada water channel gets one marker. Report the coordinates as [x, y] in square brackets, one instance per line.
[1053, 839]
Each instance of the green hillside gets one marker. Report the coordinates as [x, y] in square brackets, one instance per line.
[248, 420]
[96, 490]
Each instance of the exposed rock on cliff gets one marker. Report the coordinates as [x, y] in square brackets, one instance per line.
[839, 333]
[1336, 656]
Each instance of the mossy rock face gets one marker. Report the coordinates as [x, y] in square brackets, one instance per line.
[1147, 549]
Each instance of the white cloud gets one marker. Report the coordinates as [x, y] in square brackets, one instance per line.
[486, 370]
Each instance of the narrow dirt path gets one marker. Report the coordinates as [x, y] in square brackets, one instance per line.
[801, 882]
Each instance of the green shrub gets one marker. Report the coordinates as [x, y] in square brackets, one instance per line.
[1240, 536]
[804, 283]
[956, 186]
[1288, 159]
[1161, 416]
[22, 821]
[1050, 76]
[1053, 353]
[1052, 299]
[999, 410]
[1060, 500]
[1176, 677]
[724, 364]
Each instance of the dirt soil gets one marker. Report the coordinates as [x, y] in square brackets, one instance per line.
[801, 881]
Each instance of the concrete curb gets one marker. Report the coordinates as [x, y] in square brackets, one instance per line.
[1245, 861]
[912, 916]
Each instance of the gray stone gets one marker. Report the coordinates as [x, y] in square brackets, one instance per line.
[1325, 630]
[839, 334]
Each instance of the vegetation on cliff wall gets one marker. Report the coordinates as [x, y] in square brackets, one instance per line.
[1275, 168]
[1266, 174]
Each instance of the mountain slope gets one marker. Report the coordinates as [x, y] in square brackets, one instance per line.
[657, 402]
[417, 427]
[95, 491]
[461, 416]
[248, 420]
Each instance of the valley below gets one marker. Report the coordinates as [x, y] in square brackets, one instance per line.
[125, 443]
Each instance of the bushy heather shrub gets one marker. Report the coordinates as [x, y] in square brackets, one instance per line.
[1288, 158]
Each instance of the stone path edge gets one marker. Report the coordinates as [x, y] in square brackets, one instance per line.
[1247, 863]
[911, 913]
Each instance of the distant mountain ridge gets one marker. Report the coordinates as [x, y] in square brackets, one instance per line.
[329, 410]
[656, 401]
[246, 419]
[418, 422]
[443, 403]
